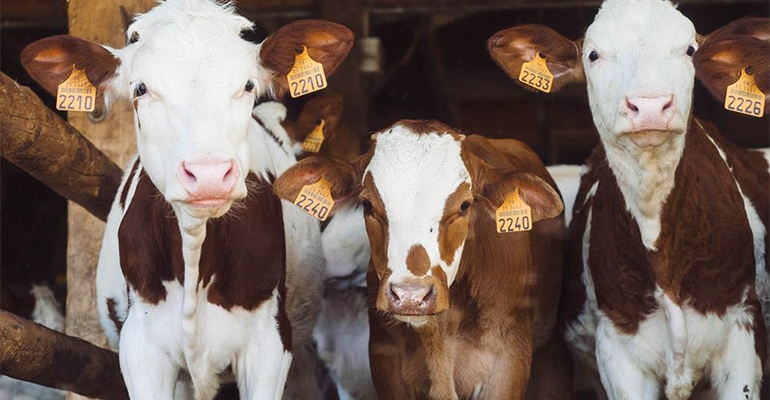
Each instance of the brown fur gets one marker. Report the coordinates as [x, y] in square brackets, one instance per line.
[417, 261]
[327, 106]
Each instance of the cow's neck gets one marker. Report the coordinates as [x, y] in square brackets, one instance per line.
[193, 231]
[645, 177]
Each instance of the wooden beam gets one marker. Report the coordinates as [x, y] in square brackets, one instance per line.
[34, 353]
[33, 13]
[36, 140]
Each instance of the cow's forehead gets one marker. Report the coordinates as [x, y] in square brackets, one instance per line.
[640, 22]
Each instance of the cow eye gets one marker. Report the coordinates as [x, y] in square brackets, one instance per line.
[140, 90]
[593, 56]
[690, 51]
[249, 86]
[367, 206]
[464, 207]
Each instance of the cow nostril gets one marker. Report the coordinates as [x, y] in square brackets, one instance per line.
[392, 293]
[631, 106]
[188, 173]
[430, 295]
[668, 104]
[230, 171]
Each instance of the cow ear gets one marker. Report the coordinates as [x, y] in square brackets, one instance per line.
[496, 184]
[339, 174]
[742, 44]
[49, 61]
[327, 43]
[327, 107]
[512, 47]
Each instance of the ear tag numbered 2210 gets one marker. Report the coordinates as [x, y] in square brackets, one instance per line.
[514, 215]
[316, 199]
[76, 93]
[307, 75]
[313, 141]
[535, 74]
[744, 97]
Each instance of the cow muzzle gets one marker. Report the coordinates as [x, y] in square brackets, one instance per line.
[411, 297]
[209, 183]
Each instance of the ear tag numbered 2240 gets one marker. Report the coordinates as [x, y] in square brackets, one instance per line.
[535, 74]
[316, 199]
[307, 75]
[76, 93]
[744, 96]
[313, 141]
[514, 215]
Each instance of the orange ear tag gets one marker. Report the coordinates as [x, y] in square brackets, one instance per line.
[307, 76]
[313, 141]
[76, 93]
[535, 74]
[316, 199]
[514, 215]
[744, 97]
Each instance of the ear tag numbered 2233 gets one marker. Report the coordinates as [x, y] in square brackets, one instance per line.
[307, 75]
[316, 199]
[514, 215]
[313, 141]
[744, 96]
[535, 74]
[76, 93]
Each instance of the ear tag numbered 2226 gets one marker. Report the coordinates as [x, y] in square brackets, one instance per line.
[76, 93]
[307, 75]
[316, 199]
[313, 141]
[744, 97]
[535, 74]
[514, 215]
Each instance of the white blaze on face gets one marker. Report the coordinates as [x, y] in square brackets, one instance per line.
[195, 66]
[642, 48]
[414, 174]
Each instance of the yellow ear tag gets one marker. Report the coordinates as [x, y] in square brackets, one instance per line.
[313, 141]
[535, 74]
[744, 97]
[514, 215]
[316, 199]
[307, 76]
[76, 93]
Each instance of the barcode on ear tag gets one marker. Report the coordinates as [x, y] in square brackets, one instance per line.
[76, 93]
[514, 215]
[744, 97]
[313, 141]
[316, 199]
[307, 75]
[535, 74]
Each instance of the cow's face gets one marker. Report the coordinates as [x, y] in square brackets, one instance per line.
[420, 187]
[192, 81]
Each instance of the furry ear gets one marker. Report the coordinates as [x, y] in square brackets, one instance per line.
[496, 184]
[327, 43]
[512, 47]
[328, 107]
[49, 61]
[339, 174]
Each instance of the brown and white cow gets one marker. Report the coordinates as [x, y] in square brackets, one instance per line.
[202, 269]
[447, 293]
[669, 234]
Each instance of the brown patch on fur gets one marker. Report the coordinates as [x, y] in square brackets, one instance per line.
[113, 314]
[442, 289]
[49, 61]
[339, 174]
[327, 107]
[417, 260]
[453, 228]
[512, 47]
[425, 126]
[377, 228]
[124, 193]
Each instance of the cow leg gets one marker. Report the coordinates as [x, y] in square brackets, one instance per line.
[621, 376]
[149, 373]
[737, 372]
[261, 368]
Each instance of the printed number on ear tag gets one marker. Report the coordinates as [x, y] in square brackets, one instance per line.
[307, 76]
[76, 93]
[313, 141]
[514, 215]
[316, 199]
[535, 74]
[744, 97]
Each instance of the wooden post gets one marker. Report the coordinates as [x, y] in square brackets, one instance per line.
[100, 22]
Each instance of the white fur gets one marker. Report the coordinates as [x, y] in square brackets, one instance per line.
[415, 174]
[567, 178]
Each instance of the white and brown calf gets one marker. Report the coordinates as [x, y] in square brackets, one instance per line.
[446, 292]
[669, 236]
[202, 269]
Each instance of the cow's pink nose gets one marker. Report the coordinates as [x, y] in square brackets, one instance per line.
[650, 113]
[208, 179]
[412, 297]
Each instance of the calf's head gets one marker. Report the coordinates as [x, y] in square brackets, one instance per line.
[421, 188]
[637, 61]
[192, 80]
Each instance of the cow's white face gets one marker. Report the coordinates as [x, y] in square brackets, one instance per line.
[639, 71]
[192, 80]
[417, 192]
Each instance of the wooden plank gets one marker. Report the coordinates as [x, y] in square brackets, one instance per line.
[49, 13]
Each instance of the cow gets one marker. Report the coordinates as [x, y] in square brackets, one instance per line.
[203, 271]
[669, 234]
[447, 311]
